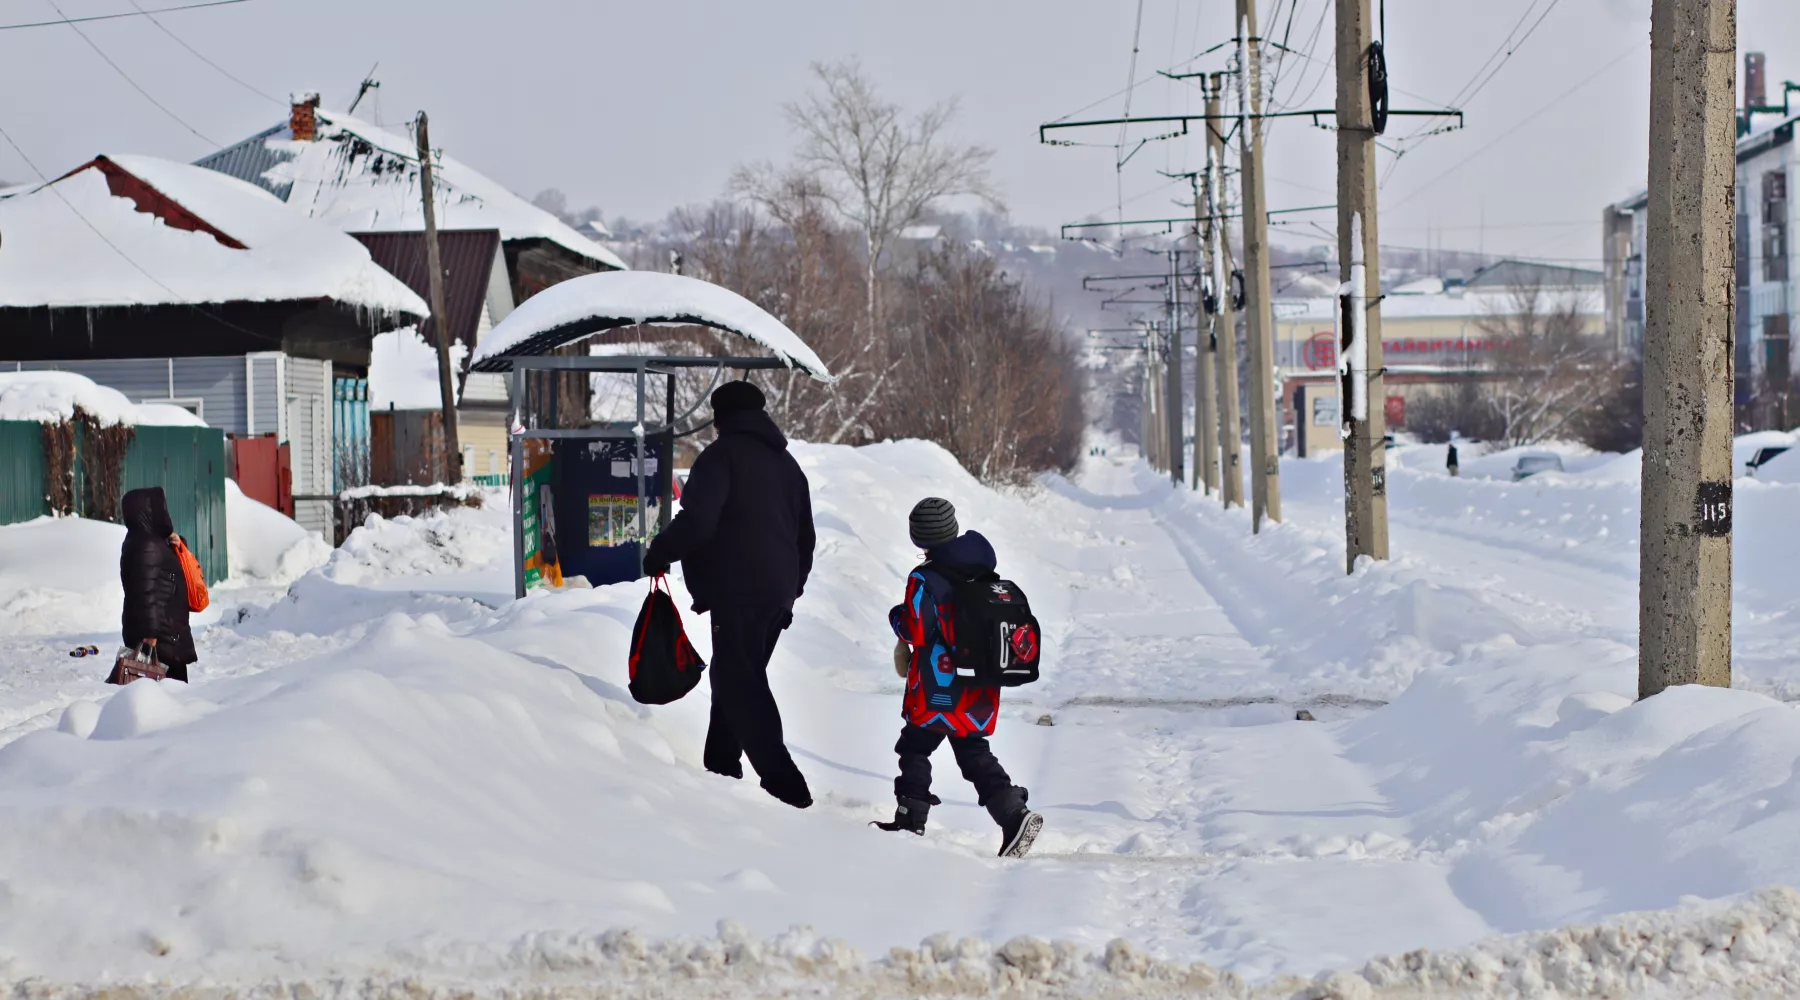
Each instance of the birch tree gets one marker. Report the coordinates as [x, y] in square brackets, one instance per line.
[880, 167]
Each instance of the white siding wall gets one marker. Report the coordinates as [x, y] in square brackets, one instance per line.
[307, 398]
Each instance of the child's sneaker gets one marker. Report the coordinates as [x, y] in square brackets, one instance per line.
[1019, 832]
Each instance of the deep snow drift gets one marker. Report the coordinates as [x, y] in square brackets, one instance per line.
[391, 770]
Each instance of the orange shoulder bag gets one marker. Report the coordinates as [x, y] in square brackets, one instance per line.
[197, 596]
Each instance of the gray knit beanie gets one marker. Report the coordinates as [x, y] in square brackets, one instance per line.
[932, 522]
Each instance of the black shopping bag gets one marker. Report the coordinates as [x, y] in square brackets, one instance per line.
[664, 665]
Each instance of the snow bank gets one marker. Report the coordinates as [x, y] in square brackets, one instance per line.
[622, 298]
[60, 575]
[263, 545]
[456, 540]
[51, 397]
[73, 243]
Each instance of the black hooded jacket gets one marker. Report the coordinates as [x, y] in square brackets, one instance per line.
[745, 531]
[155, 591]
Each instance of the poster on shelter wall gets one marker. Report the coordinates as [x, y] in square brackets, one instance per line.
[613, 519]
[537, 515]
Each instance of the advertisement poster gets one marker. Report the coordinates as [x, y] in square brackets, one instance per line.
[537, 519]
[613, 519]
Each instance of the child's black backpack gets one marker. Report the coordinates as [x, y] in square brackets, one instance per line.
[996, 637]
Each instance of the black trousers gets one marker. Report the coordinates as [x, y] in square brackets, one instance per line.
[745, 719]
[973, 756]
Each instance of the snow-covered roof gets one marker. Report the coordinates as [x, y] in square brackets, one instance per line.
[49, 397]
[139, 231]
[359, 177]
[567, 312]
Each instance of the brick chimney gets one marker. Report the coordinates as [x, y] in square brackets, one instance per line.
[1756, 94]
[303, 120]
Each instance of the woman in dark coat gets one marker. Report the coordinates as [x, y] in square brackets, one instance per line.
[156, 605]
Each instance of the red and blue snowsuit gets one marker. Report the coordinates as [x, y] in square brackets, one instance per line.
[935, 698]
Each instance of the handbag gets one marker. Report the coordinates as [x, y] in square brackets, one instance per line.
[135, 663]
[197, 596]
[664, 665]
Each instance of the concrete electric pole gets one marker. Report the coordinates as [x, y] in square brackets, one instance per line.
[1174, 405]
[1206, 343]
[1361, 113]
[1684, 568]
[440, 317]
[1231, 421]
[1265, 431]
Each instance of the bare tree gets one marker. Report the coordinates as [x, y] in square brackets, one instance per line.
[877, 166]
[1547, 362]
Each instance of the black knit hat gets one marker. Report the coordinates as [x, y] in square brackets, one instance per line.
[932, 522]
[734, 396]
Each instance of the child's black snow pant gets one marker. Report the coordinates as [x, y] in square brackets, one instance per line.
[745, 718]
[993, 788]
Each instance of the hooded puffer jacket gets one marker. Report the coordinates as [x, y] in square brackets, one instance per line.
[155, 590]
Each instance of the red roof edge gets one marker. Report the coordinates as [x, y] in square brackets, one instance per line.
[125, 184]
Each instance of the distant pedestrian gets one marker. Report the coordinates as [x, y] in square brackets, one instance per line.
[1450, 461]
[156, 589]
[940, 705]
[744, 539]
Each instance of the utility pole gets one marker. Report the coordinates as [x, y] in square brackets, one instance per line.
[439, 315]
[1206, 339]
[1231, 421]
[1684, 562]
[1174, 406]
[1265, 444]
[1361, 394]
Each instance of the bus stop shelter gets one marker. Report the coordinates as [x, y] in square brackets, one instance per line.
[609, 486]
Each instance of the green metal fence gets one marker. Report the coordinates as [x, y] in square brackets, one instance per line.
[187, 462]
[21, 472]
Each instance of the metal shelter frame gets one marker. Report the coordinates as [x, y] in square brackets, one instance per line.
[640, 365]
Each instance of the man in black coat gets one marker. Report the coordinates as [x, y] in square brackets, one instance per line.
[156, 601]
[745, 540]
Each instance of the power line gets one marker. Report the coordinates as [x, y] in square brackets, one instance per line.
[1527, 120]
[127, 77]
[196, 53]
[179, 298]
[140, 12]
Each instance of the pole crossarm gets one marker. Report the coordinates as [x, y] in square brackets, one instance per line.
[1314, 114]
[1169, 224]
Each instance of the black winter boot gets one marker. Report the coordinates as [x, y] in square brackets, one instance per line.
[1019, 826]
[909, 815]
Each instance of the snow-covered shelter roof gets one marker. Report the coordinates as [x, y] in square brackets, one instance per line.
[359, 177]
[581, 307]
[139, 231]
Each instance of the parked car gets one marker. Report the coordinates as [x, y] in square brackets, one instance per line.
[1531, 465]
[1761, 458]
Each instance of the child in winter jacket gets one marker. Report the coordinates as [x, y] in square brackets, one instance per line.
[939, 705]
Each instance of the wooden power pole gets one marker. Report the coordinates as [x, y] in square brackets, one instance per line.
[1206, 338]
[1265, 431]
[1361, 394]
[1231, 421]
[440, 317]
[1684, 561]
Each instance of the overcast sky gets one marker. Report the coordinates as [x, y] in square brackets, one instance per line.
[640, 107]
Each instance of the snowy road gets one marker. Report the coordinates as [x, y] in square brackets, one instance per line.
[390, 766]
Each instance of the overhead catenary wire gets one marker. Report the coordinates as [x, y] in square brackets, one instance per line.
[160, 106]
[149, 15]
[140, 12]
[1534, 116]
